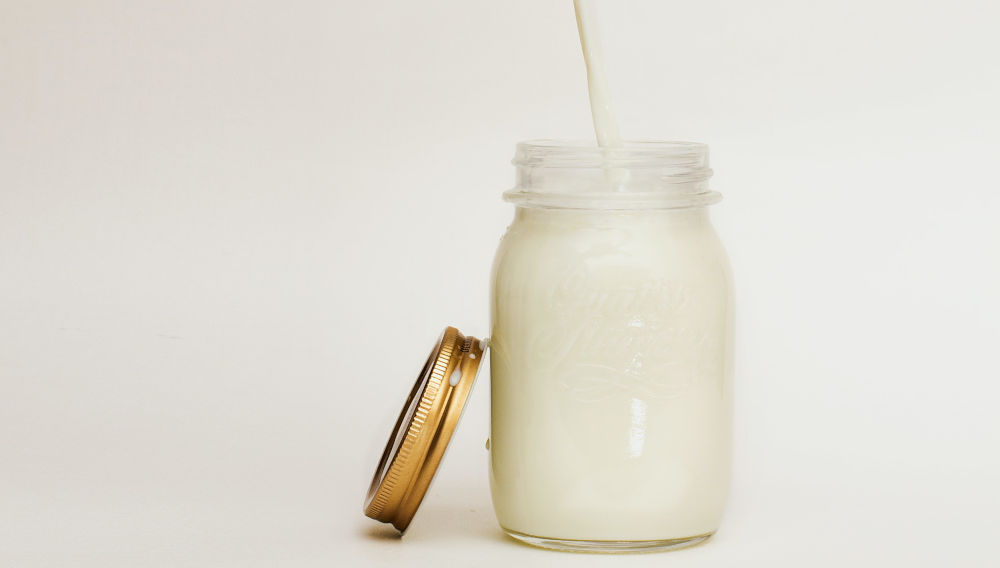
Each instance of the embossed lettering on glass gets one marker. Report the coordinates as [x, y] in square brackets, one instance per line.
[611, 350]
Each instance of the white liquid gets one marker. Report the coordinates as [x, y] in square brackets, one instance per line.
[605, 125]
[611, 389]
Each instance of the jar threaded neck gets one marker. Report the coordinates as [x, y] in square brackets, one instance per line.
[636, 175]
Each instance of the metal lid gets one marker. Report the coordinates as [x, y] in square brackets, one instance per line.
[424, 428]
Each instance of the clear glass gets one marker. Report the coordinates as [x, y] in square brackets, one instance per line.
[611, 350]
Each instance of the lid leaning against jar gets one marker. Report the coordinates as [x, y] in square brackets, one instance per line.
[423, 429]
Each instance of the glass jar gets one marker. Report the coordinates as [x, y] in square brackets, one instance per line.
[611, 350]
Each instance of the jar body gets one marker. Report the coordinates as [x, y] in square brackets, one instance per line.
[611, 372]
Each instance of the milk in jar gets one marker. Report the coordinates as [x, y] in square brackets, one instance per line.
[611, 350]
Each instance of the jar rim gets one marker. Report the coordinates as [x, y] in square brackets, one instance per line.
[550, 152]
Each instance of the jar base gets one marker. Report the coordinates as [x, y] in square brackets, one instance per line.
[609, 546]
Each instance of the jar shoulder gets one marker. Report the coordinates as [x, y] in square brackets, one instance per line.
[536, 248]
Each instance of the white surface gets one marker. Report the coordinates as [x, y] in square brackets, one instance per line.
[226, 229]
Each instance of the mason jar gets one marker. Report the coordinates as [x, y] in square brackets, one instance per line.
[611, 350]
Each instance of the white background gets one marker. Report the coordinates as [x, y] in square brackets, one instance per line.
[231, 230]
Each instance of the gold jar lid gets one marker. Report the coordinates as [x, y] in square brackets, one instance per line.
[423, 429]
